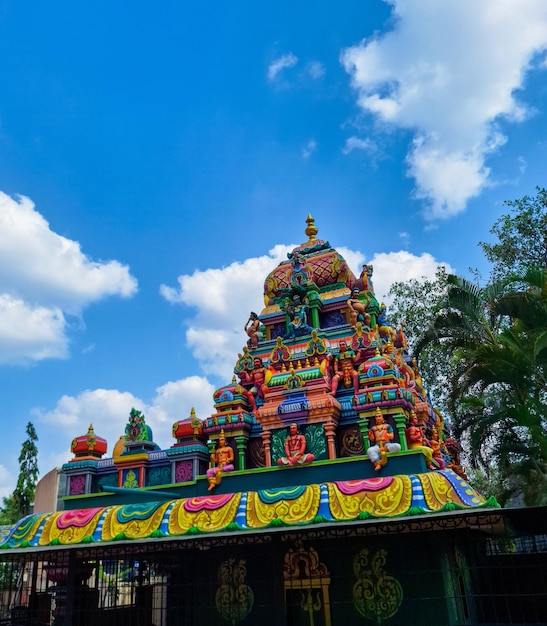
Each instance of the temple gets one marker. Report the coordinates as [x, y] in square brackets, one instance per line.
[324, 489]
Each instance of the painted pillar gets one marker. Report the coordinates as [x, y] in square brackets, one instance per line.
[330, 430]
[400, 423]
[241, 442]
[267, 443]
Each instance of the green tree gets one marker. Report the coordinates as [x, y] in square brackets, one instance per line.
[414, 306]
[521, 236]
[496, 338]
[23, 494]
[9, 512]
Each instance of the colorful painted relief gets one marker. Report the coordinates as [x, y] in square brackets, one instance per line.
[379, 497]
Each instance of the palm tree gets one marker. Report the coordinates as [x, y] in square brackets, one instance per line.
[496, 340]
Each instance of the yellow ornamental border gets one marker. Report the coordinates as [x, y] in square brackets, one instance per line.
[395, 499]
[206, 519]
[133, 528]
[300, 510]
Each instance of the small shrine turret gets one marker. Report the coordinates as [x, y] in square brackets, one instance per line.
[89, 446]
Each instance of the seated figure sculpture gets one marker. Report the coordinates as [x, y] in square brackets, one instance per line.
[295, 449]
[357, 309]
[298, 318]
[223, 460]
[382, 435]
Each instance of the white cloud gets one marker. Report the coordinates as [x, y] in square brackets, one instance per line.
[232, 292]
[7, 482]
[279, 64]
[237, 289]
[28, 333]
[401, 266]
[355, 143]
[108, 411]
[43, 277]
[315, 69]
[447, 71]
[309, 149]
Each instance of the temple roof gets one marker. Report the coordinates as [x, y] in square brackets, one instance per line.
[314, 262]
[305, 505]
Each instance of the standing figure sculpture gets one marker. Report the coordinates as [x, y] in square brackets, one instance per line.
[344, 369]
[295, 449]
[382, 435]
[252, 328]
[222, 460]
[416, 441]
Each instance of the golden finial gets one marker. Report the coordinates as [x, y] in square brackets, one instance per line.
[311, 230]
[192, 412]
[90, 430]
[234, 380]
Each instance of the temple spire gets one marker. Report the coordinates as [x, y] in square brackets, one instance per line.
[311, 230]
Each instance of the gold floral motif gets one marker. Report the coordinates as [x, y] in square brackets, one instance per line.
[133, 528]
[376, 595]
[205, 520]
[67, 534]
[301, 509]
[233, 599]
[438, 491]
[393, 499]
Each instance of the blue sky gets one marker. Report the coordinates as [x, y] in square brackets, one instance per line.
[157, 161]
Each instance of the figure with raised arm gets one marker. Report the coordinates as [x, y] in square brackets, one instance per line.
[222, 460]
[381, 435]
[252, 328]
[295, 449]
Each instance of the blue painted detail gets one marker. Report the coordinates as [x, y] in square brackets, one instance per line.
[241, 515]
[324, 507]
[296, 403]
[417, 493]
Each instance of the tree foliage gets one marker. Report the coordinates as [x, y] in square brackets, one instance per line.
[488, 347]
[521, 236]
[19, 503]
[496, 338]
[28, 472]
[414, 306]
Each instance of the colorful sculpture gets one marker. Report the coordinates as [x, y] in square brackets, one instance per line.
[357, 309]
[222, 460]
[295, 449]
[298, 318]
[382, 435]
[344, 369]
[346, 364]
[416, 440]
[252, 328]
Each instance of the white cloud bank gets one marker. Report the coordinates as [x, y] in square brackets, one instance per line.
[223, 298]
[43, 277]
[447, 71]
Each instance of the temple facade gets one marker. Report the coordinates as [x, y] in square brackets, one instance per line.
[325, 488]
